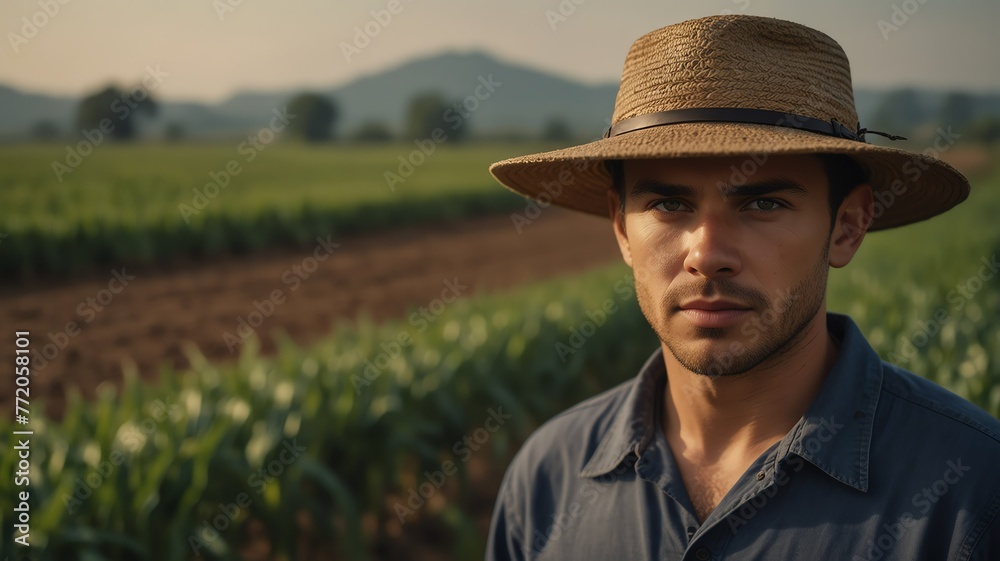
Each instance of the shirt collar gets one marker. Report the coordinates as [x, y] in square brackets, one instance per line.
[834, 434]
[836, 431]
[633, 426]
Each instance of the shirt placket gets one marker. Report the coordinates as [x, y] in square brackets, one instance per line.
[711, 541]
[654, 467]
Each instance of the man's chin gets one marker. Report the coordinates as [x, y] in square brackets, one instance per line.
[713, 333]
[713, 362]
[711, 351]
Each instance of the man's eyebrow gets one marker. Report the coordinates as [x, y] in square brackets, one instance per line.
[653, 186]
[768, 187]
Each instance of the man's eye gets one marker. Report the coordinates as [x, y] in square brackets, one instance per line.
[669, 206]
[766, 205]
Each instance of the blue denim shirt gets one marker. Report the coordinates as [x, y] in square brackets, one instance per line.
[883, 465]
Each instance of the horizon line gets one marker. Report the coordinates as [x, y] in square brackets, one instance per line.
[614, 82]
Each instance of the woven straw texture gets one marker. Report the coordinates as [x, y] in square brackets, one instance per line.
[735, 61]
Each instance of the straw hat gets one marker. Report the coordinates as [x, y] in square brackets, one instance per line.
[735, 85]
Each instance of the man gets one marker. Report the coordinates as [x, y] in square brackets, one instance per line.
[763, 427]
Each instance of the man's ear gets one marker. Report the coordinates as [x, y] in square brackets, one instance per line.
[853, 220]
[618, 224]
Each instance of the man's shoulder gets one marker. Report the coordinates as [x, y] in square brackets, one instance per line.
[563, 443]
[929, 409]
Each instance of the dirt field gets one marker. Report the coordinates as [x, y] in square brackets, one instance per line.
[83, 328]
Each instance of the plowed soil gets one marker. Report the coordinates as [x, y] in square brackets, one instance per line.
[83, 328]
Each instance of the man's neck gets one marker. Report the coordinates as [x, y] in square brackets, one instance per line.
[727, 419]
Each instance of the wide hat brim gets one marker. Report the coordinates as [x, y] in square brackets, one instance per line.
[908, 186]
[738, 85]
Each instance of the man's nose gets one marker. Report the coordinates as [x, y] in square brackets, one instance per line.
[713, 248]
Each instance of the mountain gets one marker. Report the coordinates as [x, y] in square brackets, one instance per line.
[22, 111]
[521, 99]
[511, 99]
[518, 99]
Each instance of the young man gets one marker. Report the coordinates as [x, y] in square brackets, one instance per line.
[763, 427]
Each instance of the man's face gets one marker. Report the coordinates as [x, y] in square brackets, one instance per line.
[729, 269]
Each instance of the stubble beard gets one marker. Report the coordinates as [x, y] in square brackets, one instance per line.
[776, 337]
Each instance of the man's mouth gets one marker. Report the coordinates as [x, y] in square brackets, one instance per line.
[713, 313]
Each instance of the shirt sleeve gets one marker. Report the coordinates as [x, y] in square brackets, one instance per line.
[987, 547]
[505, 541]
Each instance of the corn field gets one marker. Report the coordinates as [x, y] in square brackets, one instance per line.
[145, 204]
[326, 441]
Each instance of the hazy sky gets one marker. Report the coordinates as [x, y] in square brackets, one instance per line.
[210, 49]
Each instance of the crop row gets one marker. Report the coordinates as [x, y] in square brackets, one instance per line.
[144, 204]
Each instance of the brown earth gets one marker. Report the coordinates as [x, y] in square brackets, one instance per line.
[81, 330]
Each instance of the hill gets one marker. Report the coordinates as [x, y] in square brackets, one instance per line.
[522, 101]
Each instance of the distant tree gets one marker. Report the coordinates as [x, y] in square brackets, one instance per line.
[557, 130]
[114, 111]
[985, 130]
[958, 109]
[899, 113]
[428, 112]
[44, 131]
[174, 132]
[315, 116]
[373, 132]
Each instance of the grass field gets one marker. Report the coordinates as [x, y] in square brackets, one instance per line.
[145, 203]
[928, 296]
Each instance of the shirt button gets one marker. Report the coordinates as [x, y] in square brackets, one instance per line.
[760, 476]
[702, 554]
